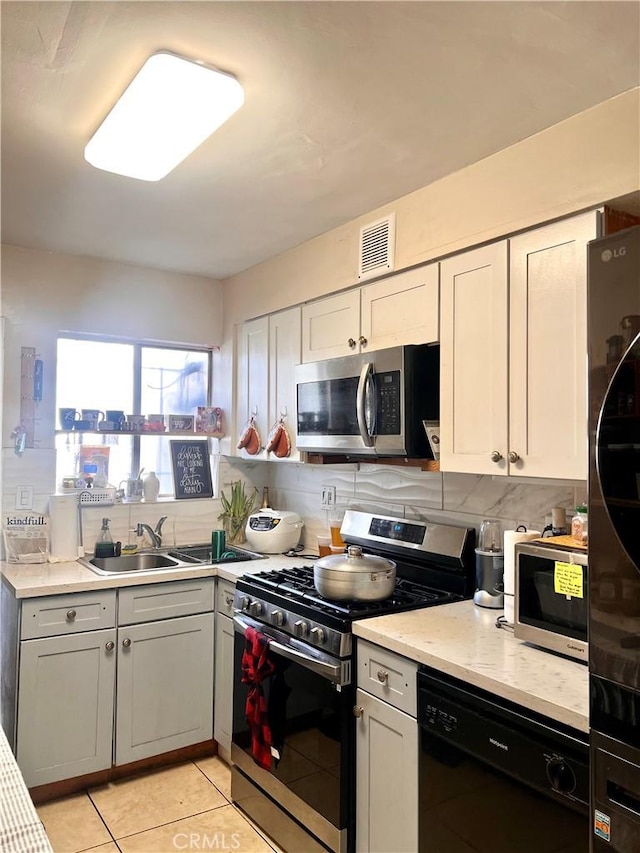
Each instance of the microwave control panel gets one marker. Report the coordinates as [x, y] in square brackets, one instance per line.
[388, 400]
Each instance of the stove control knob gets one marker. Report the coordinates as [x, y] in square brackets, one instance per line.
[255, 608]
[317, 636]
[561, 775]
[277, 617]
[301, 629]
[244, 602]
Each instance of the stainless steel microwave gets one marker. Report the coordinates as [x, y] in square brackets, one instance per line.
[551, 598]
[372, 404]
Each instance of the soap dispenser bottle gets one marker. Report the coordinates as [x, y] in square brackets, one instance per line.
[104, 543]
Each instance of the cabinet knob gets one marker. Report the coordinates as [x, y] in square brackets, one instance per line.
[228, 600]
[496, 456]
[383, 676]
[351, 342]
[126, 642]
[513, 457]
[110, 646]
[363, 341]
[358, 711]
[71, 615]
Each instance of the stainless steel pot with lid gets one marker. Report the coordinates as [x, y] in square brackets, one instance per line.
[355, 576]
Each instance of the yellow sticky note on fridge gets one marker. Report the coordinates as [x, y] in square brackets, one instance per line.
[568, 580]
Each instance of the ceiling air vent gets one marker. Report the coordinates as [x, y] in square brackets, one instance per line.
[377, 245]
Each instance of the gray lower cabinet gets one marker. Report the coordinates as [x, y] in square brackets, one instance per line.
[223, 716]
[65, 712]
[387, 754]
[88, 699]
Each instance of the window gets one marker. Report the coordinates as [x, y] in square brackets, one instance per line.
[137, 379]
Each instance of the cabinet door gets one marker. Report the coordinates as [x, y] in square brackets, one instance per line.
[252, 381]
[386, 778]
[223, 713]
[164, 694]
[548, 349]
[473, 361]
[402, 309]
[65, 706]
[284, 353]
[328, 326]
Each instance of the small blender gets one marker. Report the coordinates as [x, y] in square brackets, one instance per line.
[490, 566]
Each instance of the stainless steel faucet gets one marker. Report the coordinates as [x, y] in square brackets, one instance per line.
[155, 534]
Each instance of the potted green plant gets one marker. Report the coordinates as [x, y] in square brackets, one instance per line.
[236, 511]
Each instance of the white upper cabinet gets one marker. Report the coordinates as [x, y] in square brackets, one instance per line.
[513, 355]
[548, 349]
[252, 382]
[473, 360]
[268, 349]
[401, 309]
[284, 354]
[331, 327]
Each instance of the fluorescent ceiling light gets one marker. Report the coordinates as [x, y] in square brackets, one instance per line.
[168, 109]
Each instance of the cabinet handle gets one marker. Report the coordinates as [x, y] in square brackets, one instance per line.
[496, 456]
[383, 676]
[358, 711]
[71, 615]
[363, 341]
[228, 600]
[126, 642]
[351, 342]
[513, 457]
[110, 646]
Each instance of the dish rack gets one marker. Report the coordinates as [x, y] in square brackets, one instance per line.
[97, 497]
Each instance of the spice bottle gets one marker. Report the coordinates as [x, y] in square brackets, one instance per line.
[579, 525]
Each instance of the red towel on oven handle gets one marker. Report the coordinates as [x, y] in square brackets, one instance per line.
[256, 666]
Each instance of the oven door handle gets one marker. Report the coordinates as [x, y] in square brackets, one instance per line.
[334, 670]
[366, 379]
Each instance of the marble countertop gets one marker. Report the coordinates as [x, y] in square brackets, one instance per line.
[462, 640]
[34, 579]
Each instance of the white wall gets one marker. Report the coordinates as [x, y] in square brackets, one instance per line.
[576, 164]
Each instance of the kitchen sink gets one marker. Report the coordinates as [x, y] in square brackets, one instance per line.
[158, 559]
[141, 562]
[202, 554]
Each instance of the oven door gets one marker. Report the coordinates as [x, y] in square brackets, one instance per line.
[311, 716]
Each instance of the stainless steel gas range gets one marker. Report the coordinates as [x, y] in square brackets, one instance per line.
[299, 783]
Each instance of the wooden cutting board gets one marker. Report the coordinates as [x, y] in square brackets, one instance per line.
[564, 542]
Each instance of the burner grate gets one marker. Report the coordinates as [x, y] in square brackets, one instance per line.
[296, 584]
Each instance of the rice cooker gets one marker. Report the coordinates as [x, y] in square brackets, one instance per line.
[270, 531]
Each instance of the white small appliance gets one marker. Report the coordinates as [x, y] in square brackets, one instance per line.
[272, 531]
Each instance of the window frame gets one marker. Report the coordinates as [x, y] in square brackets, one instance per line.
[139, 344]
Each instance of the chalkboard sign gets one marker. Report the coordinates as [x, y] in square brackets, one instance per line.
[191, 469]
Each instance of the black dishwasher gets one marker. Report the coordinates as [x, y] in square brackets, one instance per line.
[495, 777]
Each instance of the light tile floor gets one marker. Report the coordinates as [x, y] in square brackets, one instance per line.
[181, 808]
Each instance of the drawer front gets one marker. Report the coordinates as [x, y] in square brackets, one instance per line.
[388, 676]
[54, 615]
[165, 600]
[224, 597]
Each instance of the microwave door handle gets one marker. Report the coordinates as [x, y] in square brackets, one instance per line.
[366, 375]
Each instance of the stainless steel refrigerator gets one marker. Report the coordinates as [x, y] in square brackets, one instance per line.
[614, 540]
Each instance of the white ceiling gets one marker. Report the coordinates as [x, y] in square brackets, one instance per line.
[349, 105]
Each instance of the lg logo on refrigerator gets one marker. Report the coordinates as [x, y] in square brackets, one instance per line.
[610, 254]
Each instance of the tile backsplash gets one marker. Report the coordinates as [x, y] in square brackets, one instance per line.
[390, 490]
